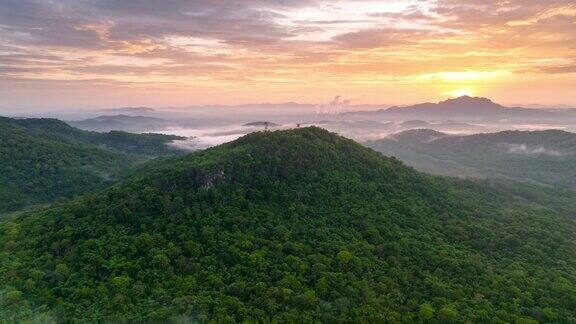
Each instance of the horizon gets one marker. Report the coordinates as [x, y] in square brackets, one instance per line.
[104, 54]
[343, 107]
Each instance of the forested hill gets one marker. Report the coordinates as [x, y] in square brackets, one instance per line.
[542, 157]
[44, 159]
[143, 144]
[290, 226]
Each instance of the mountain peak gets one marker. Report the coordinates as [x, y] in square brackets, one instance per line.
[455, 106]
[295, 153]
[468, 101]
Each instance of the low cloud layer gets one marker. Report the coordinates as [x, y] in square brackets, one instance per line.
[526, 150]
[198, 139]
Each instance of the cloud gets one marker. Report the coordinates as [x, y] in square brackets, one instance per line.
[287, 44]
[334, 107]
[203, 138]
[382, 37]
[524, 149]
[106, 23]
[560, 69]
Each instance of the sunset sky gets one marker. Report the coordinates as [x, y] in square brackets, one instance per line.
[104, 53]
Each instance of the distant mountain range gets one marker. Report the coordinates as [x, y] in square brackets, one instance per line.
[131, 110]
[461, 105]
[539, 106]
[261, 124]
[464, 106]
[120, 122]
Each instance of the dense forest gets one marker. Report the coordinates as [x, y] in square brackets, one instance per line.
[291, 226]
[45, 159]
[540, 157]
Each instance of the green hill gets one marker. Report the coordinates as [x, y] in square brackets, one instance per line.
[541, 157]
[290, 226]
[44, 159]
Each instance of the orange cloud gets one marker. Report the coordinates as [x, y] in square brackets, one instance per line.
[378, 51]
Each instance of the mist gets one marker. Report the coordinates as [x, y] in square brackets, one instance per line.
[206, 126]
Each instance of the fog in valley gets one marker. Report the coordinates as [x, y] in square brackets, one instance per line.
[206, 126]
[468, 137]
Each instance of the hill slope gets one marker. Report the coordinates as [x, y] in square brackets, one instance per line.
[130, 123]
[297, 226]
[43, 159]
[544, 157]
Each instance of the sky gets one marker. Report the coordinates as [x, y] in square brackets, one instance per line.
[171, 53]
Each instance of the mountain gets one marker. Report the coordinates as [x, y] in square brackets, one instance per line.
[44, 159]
[464, 106]
[419, 135]
[261, 124]
[120, 122]
[545, 157]
[540, 106]
[414, 123]
[289, 226]
[132, 110]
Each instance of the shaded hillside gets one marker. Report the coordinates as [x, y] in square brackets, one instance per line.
[290, 226]
[44, 159]
[545, 157]
[129, 123]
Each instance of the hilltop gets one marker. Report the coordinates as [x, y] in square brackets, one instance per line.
[108, 123]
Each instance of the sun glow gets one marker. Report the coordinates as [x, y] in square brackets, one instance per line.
[461, 92]
[378, 51]
[466, 76]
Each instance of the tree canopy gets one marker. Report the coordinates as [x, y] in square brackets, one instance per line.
[297, 226]
[540, 157]
[45, 159]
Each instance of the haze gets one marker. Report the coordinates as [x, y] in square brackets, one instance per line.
[74, 54]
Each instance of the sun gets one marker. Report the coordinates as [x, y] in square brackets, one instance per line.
[461, 92]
